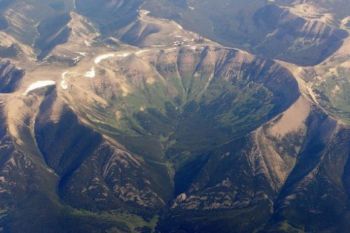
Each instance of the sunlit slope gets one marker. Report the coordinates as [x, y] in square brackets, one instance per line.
[188, 98]
[115, 120]
[273, 29]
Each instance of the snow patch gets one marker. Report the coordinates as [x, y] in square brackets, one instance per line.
[91, 73]
[39, 84]
[123, 54]
[179, 26]
[82, 53]
[144, 12]
[76, 60]
[63, 75]
[87, 43]
[141, 51]
[64, 84]
[100, 58]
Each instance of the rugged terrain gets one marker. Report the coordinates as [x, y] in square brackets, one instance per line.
[174, 116]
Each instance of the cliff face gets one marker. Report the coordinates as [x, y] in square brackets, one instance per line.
[10, 77]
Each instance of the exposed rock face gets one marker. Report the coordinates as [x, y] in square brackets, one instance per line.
[91, 169]
[52, 31]
[271, 30]
[294, 38]
[110, 14]
[121, 121]
[10, 77]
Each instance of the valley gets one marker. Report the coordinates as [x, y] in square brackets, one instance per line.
[200, 116]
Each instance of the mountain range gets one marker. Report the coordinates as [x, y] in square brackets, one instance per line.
[174, 116]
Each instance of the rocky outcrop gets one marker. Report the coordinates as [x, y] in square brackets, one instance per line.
[269, 29]
[10, 77]
[129, 123]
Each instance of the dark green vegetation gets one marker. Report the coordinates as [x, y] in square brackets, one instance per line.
[167, 131]
[333, 92]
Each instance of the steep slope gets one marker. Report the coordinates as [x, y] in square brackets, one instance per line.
[130, 114]
[158, 94]
[340, 8]
[295, 181]
[37, 184]
[10, 76]
[267, 28]
[38, 23]
[329, 82]
[120, 121]
[110, 15]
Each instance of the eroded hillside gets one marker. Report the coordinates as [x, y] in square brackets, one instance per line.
[115, 117]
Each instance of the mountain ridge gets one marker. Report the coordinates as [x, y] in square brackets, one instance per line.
[135, 124]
